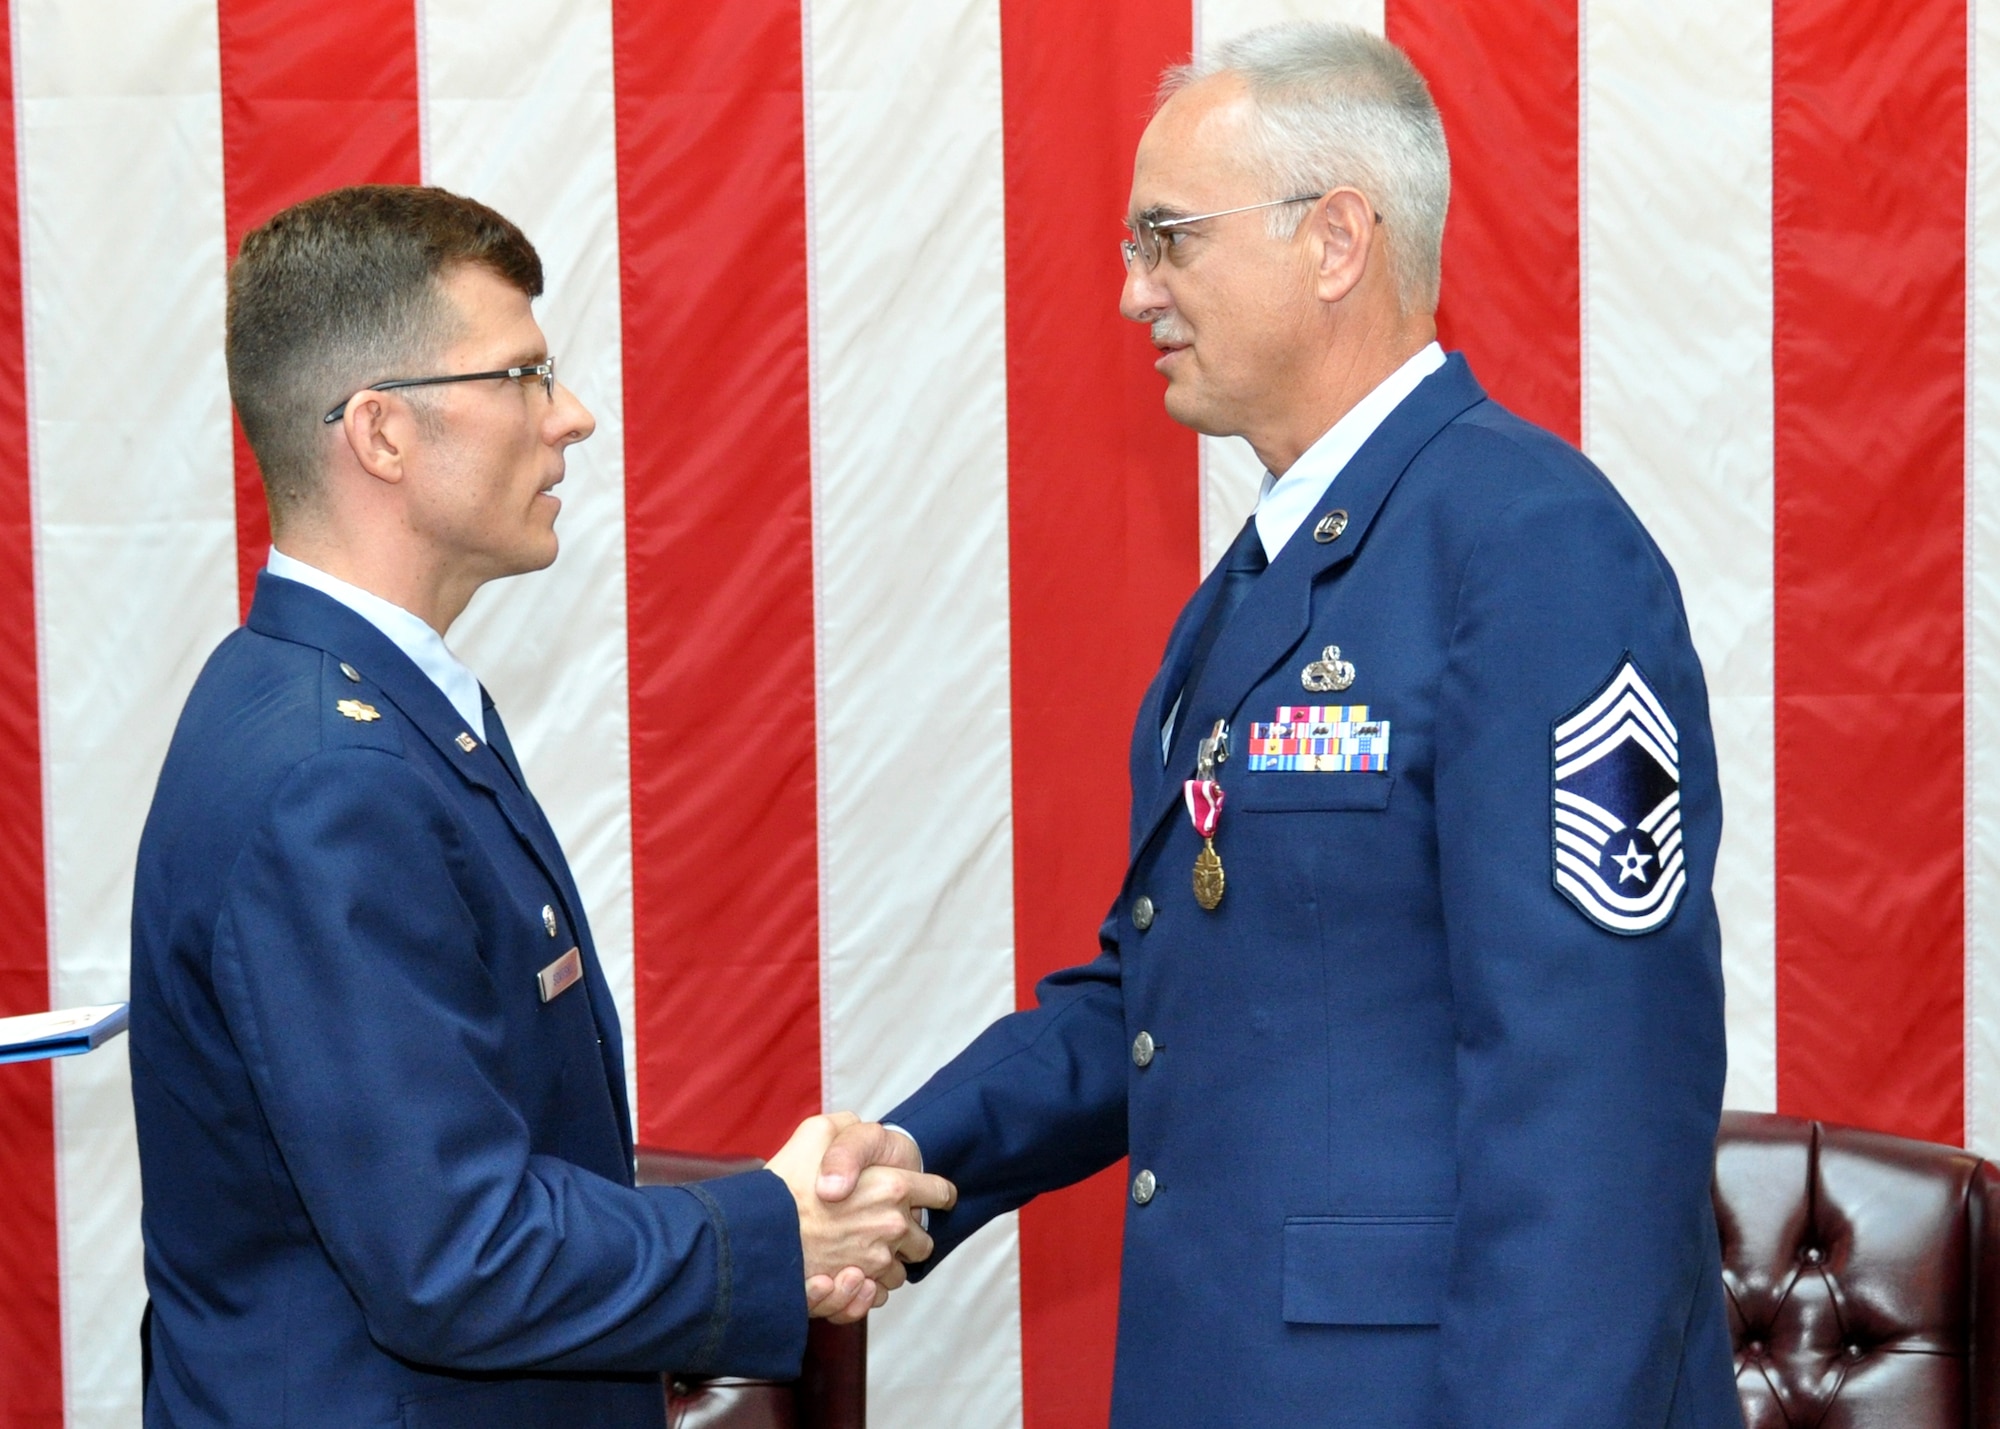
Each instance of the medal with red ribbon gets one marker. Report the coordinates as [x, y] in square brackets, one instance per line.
[1204, 805]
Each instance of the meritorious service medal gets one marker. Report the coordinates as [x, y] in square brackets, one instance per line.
[1204, 805]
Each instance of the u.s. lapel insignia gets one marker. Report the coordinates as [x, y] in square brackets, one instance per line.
[358, 709]
[1616, 776]
[1329, 528]
[466, 742]
[1329, 674]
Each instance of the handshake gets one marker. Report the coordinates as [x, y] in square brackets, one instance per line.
[861, 1191]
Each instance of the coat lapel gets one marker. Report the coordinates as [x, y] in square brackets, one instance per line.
[1276, 612]
[1147, 767]
[290, 611]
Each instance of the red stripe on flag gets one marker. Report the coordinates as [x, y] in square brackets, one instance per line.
[314, 97]
[1505, 79]
[1869, 173]
[718, 503]
[31, 1370]
[1104, 545]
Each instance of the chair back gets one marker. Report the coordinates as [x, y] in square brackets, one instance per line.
[1862, 1273]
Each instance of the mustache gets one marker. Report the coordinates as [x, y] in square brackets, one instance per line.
[1168, 333]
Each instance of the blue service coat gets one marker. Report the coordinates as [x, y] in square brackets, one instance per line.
[1427, 1142]
[385, 1183]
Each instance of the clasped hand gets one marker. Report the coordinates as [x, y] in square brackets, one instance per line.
[859, 1211]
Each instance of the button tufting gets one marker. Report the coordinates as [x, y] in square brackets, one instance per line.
[1756, 1348]
[1815, 1255]
[1854, 1352]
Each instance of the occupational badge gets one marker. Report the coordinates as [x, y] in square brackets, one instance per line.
[1329, 674]
[1328, 739]
[1204, 806]
[357, 710]
[1616, 782]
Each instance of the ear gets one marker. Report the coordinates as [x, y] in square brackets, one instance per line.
[378, 429]
[1344, 233]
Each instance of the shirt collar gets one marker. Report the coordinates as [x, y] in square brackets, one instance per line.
[1287, 500]
[408, 632]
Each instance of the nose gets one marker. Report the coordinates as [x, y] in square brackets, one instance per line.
[569, 418]
[1144, 297]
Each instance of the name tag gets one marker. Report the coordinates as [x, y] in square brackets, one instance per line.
[559, 976]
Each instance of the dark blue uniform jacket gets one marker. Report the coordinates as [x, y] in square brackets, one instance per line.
[1430, 1140]
[385, 1183]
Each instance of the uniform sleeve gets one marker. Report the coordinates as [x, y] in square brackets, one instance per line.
[1589, 1063]
[348, 965]
[1037, 1101]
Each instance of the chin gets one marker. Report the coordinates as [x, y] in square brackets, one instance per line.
[1188, 408]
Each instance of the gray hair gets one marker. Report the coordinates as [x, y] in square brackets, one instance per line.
[1337, 107]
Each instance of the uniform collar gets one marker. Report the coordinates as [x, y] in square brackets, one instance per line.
[1277, 611]
[1287, 500]
[408, 632]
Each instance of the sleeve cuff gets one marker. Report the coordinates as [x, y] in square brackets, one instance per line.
[758, 1328]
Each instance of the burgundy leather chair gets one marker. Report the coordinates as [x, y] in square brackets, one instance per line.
[1863, 1277]
[831, 1393]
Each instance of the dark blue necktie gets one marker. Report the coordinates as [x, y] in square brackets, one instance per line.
[1241, 564]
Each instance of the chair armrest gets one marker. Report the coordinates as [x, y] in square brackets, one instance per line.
[832, 1389]
[660, 1167]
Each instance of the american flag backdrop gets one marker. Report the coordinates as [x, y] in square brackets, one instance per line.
[883, 525]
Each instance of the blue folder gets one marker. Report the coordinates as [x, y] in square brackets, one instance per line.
[60, 1034]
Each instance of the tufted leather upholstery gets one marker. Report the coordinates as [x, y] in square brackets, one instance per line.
[831, 1393]
[1863, 1277]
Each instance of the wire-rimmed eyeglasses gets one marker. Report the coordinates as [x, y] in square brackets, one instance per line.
[545, 370]
[1145, 240]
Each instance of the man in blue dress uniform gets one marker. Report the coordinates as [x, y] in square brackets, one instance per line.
[378, 1075]
[1409, 1011]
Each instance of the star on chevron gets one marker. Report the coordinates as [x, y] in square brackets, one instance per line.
[1631, 863]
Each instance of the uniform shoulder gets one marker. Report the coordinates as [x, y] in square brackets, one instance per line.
[1500, 471]
[263, 704]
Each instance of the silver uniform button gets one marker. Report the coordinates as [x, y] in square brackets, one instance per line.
[549, 919]
[1142, 912]
[1143, 1187]
[1142, 1050]
[349, 671]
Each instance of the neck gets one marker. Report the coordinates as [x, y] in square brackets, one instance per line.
[385, 567]
[1347, 372]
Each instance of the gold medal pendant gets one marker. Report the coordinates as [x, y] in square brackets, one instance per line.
[1204, 804]
[1208, 877]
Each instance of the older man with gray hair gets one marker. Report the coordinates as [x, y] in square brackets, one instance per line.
[1409, 1011]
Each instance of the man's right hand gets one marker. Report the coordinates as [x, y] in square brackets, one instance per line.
[856, 1247]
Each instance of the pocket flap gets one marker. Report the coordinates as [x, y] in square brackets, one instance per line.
[1366, 1270]
[1278, 791]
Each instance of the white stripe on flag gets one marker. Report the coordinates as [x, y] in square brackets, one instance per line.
[1230, 471]
[1982, 596]
[1677, 398]
[121, 148]
[518, 113]
[910, 511]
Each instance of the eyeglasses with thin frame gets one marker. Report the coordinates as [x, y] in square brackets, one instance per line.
[1145, 240]
[545, 370]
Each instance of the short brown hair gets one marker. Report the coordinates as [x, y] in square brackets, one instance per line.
[340, 291]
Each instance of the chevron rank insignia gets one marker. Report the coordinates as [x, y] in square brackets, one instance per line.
[1617, 795]
[358, 709]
